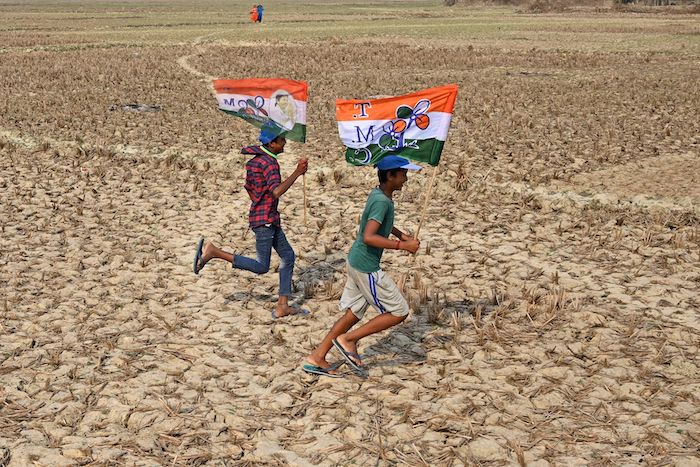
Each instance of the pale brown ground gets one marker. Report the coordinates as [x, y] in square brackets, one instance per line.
[555, 300]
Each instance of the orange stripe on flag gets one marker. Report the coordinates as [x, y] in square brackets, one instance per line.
[263, 87]
[442, 99]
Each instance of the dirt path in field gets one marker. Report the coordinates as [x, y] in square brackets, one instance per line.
[200, 48]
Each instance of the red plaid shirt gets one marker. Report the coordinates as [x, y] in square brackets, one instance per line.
[262, 177]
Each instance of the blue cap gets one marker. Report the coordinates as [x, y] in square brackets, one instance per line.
[395, 162]
[269, 132]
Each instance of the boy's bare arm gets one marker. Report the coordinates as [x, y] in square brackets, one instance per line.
[371, 238]
[400, 235]
[282, 188]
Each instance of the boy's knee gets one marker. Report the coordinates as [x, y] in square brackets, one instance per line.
[262, 268]
[289, 257]
[351, 316]
[399, 317]
[401, 311]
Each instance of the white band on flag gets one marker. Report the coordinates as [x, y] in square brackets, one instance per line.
[357, 134]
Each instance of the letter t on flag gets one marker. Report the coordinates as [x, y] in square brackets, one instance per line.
[413, 126]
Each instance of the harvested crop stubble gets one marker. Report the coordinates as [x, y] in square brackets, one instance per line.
[554, 300]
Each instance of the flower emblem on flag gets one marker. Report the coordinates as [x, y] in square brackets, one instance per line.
[406, 116]
[413, 125]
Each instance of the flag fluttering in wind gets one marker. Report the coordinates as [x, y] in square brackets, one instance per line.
[264, 101]
[413, 126]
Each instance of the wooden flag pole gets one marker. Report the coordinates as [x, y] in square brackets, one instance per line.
[427, 199]
[303, 180]
[402, 278]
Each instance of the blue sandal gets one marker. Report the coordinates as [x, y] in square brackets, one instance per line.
[318, 371]
[198, 257]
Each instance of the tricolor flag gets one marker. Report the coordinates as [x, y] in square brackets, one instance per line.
[413, 126]
[261, 100]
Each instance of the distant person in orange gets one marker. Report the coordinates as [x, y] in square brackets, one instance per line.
[254, 14]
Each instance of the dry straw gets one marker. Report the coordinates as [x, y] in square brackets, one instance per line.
[555, 301]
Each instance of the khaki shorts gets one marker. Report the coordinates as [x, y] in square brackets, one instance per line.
[375, 288]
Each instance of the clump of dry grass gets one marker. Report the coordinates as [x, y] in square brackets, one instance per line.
[338, 175]
[542, 306]
[44, 146]
[461, 181]
[311, 288]
[518, 451]
[7, 145]
[321, 177]
[435, 312]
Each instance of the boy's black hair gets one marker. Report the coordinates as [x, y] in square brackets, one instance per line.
[384, 174]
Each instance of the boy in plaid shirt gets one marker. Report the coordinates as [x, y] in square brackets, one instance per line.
[264, 186]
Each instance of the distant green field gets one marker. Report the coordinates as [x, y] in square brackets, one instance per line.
[82, 23]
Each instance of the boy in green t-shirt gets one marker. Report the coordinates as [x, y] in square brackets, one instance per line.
[367, 284]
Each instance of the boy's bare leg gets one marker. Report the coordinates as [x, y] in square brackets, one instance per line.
[343, 325]
[283, 308]
[211, 251]
[373, 326]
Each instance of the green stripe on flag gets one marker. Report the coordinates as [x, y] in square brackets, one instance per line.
[297, 133]
[427, 150]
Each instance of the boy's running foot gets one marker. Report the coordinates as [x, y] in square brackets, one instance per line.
[286, 310]
[349, 351]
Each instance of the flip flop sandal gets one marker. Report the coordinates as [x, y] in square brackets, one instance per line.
[198, 257]
[318, 371]
[349, 357]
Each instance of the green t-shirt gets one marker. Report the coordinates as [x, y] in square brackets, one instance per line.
[380, 208]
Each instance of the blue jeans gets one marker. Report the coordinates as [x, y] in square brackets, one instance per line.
[267, 238]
